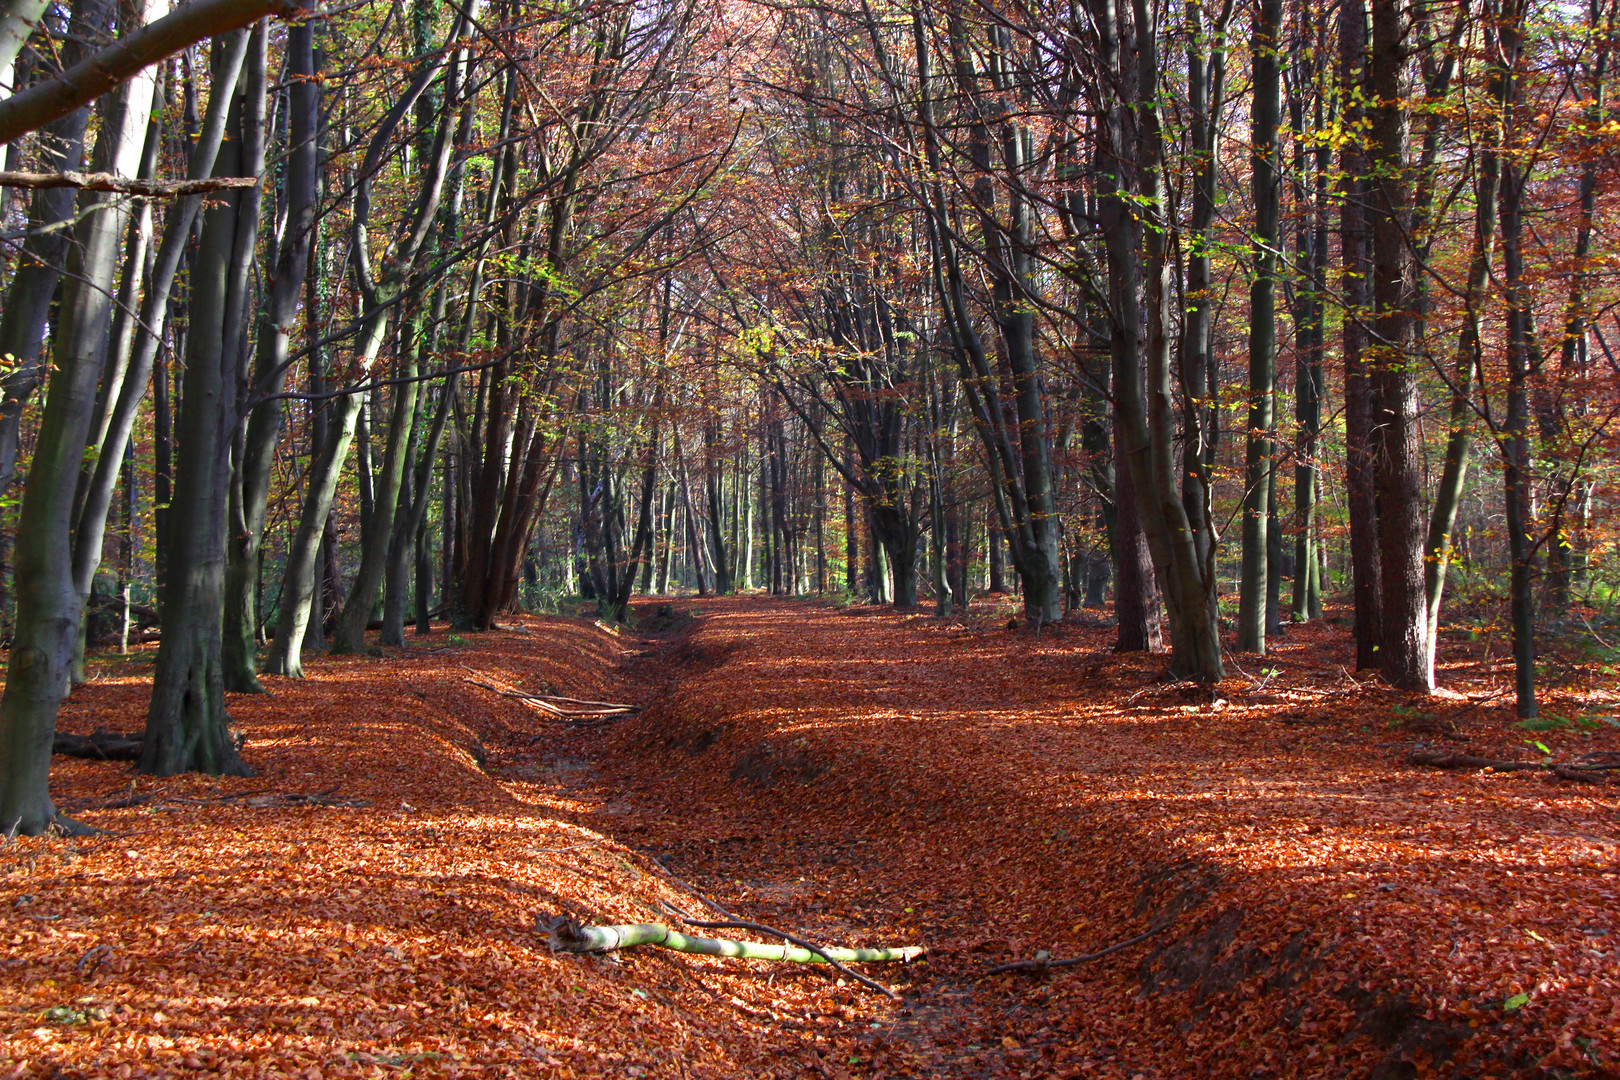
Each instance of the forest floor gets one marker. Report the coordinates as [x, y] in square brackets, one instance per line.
[366, 905]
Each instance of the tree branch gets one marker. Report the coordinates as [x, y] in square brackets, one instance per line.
[123, 185]
[106, 68]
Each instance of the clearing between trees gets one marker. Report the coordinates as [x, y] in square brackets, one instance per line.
[1299, 897]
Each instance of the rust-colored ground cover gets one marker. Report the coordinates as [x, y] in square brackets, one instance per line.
[1320, 907]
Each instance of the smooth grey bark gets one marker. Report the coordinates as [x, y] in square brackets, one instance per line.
[276, 319]
[48, 606]
[186, 724]
[712, 466]
[1206, 74]
[1138, 606]
[1310, 192]
[154, 314]
[409, 532]
[1522, 361]
[115, 362]
[379, 291]
[95, 75]
[131, 284]
[1010, 265]
[18, 20]
[39, 270]
[1019, 460]
[1266, 188]
[300, 580]
[1468, 360]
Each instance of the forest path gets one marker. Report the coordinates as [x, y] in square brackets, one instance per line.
[866, 777]
[365, 906]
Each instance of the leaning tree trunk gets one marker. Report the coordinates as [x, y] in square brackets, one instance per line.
[154, 312]
[48, 605]
[33, 285]
[186, 724]
[303, 574]
[264, 421]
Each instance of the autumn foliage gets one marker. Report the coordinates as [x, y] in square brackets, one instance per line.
[365, 906]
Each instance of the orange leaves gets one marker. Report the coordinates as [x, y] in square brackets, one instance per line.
[1331, 910]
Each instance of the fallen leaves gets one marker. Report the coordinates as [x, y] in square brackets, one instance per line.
[364, 906]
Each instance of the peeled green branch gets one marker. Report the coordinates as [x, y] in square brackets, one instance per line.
[568, 936]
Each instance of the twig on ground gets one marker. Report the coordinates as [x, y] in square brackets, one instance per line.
[1045, 964]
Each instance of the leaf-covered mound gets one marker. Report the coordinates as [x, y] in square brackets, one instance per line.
[1327, 908]
[364, 906]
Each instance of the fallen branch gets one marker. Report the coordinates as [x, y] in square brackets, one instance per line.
[760, 928]
[122, 185]
[101, 745]
[544, 703]
[613, 705]
[567, 936]
[1044, 962]
[1469, 761]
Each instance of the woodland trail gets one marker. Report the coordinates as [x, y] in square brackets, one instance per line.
[365, 906]
[1327, 908]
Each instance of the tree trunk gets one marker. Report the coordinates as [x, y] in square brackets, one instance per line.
[243, 553]
[1404, 637]
[302, 576]
[1360, 396]
[48, 605]
[186, 724]
[1138, 608]
[1521, 343]
[1136, 232]
[149, 329]
[1258, 480]
[39, 270]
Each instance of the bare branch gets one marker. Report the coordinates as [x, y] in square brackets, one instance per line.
[123, 185]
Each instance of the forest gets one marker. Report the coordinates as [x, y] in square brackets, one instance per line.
[931, 471]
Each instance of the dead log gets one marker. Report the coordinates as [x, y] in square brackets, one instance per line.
[1584, 771]
[1434, 760]
[100, 745]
